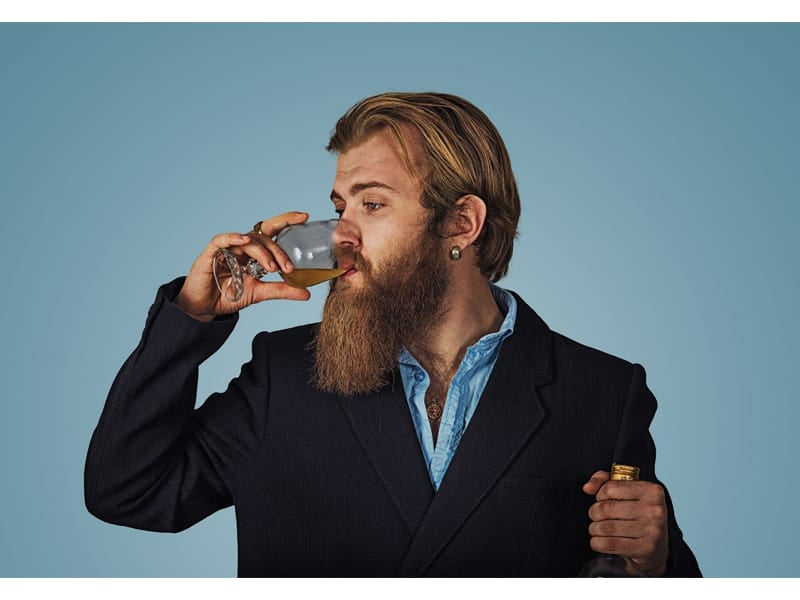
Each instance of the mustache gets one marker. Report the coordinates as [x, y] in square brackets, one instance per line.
[348, 256]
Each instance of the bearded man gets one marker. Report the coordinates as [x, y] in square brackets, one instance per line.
[431, 424]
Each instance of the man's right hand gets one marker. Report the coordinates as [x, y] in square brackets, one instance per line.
[199, 296]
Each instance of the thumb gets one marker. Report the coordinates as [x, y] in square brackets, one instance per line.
[595, 482]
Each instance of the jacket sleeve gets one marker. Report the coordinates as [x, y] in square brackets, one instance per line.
[635, 447]
[156, 463]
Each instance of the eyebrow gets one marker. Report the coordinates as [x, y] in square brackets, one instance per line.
[360, 187]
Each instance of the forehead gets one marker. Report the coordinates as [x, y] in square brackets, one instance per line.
[379, 158]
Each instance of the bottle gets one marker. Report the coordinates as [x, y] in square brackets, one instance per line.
[611, 565]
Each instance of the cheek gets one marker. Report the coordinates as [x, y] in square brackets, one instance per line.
[378, 244]
[384, 242]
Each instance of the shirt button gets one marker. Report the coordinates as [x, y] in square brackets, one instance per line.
[419, 376]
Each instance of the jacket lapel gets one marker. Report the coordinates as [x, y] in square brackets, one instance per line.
[507, 415]
[382, 423]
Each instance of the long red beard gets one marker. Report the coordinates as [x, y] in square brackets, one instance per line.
[363, 330]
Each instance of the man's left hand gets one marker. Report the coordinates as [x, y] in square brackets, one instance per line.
[629, 518]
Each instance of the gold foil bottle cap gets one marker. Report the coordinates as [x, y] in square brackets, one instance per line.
[624, 473]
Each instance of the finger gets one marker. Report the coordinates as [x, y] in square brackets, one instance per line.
[595, 482]
[203, 263]
[281, 258]
[278, 291]
[268, 254]
[257, 250]
[616, 528]
[225, 240]
[631, 490]
[641, 555]
[270, 227]
[615, 545]
[615, 509]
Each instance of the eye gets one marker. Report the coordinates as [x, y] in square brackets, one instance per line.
[372, 206]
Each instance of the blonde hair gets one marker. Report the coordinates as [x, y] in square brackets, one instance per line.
[461, 153]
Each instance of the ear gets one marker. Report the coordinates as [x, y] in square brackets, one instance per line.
[467, 221]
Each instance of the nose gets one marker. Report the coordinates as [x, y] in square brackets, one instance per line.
[346, 234]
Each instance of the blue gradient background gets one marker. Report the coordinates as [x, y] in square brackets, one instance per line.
[658, 167]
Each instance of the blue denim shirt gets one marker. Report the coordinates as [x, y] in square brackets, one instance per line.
[465, 390]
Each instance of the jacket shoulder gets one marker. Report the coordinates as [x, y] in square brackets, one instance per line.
[291, 339]
[288, 353]
[571, 354]
[570, 358]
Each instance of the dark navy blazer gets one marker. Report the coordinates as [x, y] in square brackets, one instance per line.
[325, 485]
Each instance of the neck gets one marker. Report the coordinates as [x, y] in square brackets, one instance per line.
[471, 314]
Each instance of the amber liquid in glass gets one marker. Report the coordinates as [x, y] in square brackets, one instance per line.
[303, 278]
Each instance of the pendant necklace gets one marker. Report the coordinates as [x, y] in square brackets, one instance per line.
[434, 410]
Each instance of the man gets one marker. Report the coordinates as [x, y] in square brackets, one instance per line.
[431, 424]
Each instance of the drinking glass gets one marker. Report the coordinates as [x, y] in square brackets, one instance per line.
[309, 247]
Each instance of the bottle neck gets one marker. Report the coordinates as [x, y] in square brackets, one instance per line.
[624, 473]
